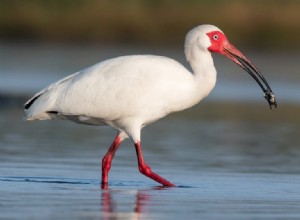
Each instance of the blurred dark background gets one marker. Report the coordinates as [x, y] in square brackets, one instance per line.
[264, 24]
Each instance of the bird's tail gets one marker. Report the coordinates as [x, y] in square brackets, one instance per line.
[38, 107]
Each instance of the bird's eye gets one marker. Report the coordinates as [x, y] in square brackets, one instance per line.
[215, 37]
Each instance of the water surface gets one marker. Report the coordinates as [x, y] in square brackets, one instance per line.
[227, 166]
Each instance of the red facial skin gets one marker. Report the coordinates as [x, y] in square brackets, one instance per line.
[220, 44]
[218, 41]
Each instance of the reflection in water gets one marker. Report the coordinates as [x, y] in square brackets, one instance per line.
[114, 207]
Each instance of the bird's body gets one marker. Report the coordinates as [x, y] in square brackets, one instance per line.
[130, 92]
[122, 92]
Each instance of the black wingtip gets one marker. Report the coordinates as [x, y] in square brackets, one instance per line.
[30, 102]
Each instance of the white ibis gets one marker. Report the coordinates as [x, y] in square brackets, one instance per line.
[130, 92]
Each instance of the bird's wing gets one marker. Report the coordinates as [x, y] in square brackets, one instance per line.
[40, 105]
[37, 95]
[121, 87]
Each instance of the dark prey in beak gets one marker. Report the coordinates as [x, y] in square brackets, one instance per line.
[243, 62]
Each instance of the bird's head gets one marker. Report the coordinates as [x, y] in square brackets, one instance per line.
[209, 38]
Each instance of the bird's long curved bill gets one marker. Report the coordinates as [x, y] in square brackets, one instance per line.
[236, 56]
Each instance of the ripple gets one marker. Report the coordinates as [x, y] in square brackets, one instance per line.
[49, 180]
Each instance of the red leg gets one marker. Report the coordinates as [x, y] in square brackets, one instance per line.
[107, 159]
[146, 170]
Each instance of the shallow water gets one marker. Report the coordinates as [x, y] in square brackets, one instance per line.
[230, 166]
[230, 156]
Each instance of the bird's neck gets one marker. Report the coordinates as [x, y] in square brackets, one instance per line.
[204, 71]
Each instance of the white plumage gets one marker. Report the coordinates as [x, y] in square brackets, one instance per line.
[125, 91]
[130, 92]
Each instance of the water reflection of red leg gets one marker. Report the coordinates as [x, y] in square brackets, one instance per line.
[141, 199]
[110, 210]
[106, 202]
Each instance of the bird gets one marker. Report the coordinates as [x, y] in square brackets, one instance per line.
[132, 91]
